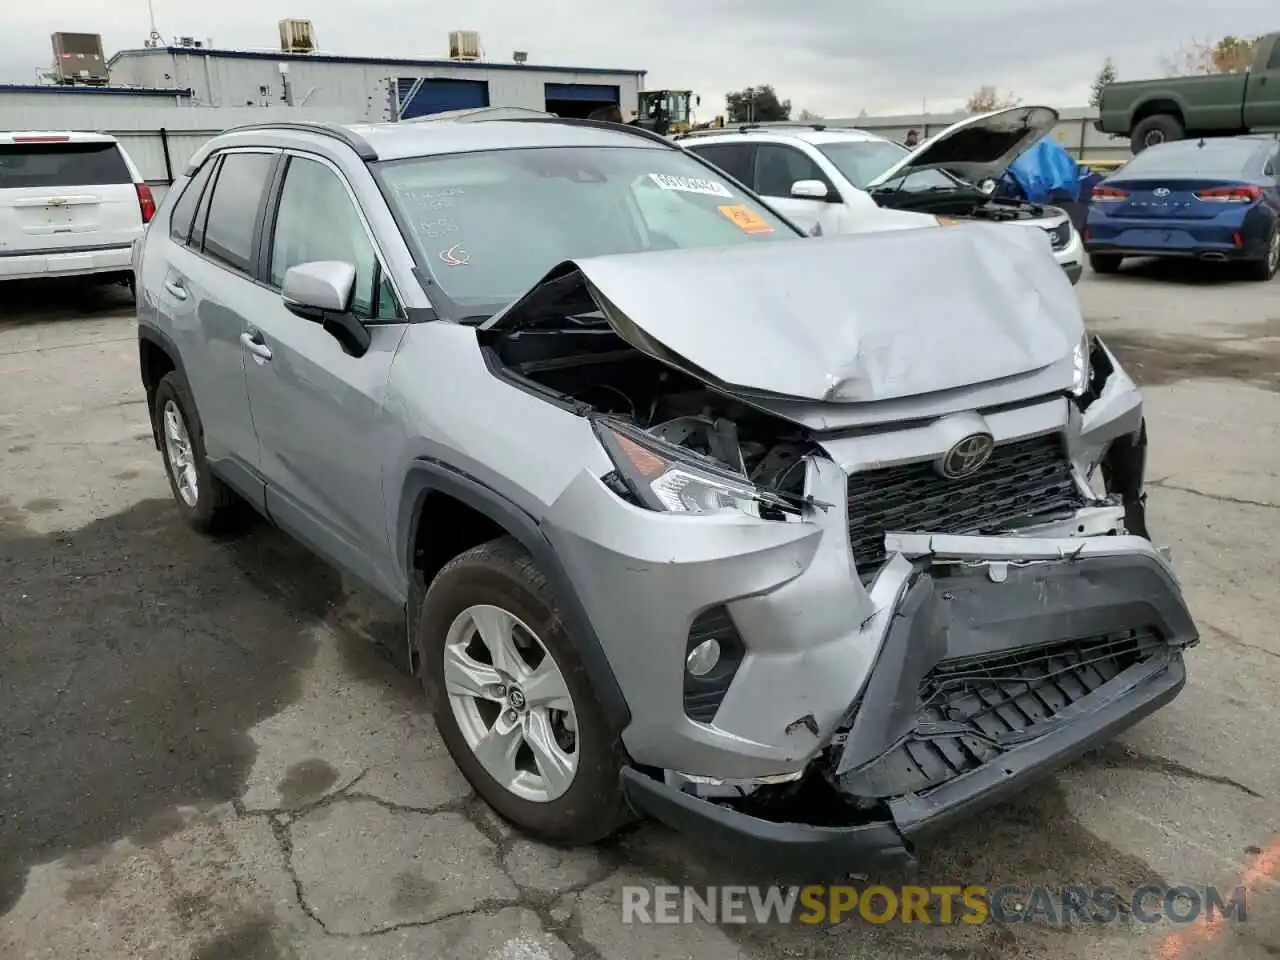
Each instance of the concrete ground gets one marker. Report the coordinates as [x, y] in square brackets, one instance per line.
[202, 755]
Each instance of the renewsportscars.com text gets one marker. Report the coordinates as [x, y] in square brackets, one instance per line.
[972, 904]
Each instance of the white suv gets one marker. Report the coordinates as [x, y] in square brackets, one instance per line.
[846, 180]
[71, 204]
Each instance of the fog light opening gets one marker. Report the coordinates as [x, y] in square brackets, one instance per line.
[703, 658]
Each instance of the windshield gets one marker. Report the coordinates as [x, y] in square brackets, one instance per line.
[488, 226]
[861, 161]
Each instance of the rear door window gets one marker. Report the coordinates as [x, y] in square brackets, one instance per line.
[735, 159]
[184, 211]
[238, 198]
[57, 165]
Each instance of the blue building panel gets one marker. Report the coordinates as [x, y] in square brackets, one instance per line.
[423, 97]
[594, 92]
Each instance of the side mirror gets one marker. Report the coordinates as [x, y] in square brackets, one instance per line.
[321, 291]
[809, 190]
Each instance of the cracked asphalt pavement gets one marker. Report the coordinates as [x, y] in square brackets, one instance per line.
[204, 755]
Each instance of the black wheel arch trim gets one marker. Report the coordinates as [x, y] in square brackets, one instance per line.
[429, 476]
[157, 337]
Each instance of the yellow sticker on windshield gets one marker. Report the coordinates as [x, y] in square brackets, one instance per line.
[746, 220]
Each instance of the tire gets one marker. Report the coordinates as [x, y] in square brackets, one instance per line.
[1265, 269]
[214, 507]
[1104, 262]
[501, 574]
[1153, 130]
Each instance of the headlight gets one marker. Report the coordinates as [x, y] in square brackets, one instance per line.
[1080, 360]
[676, 480]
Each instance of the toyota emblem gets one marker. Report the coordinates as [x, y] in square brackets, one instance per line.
[967, 456]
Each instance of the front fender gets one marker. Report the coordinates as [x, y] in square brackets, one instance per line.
[427, 476]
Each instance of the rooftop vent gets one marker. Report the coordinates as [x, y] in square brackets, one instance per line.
[464, 45]
[520, 56]
[297, 36]
[77, 58]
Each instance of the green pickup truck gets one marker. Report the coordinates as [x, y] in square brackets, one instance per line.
[1221, 104]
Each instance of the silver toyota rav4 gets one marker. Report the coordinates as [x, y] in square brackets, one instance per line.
[805, 545]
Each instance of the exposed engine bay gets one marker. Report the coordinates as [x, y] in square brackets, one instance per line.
[960, 202]
[592, 368]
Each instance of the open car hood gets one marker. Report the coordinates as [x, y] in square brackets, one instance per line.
[837, 320]
[977, 148]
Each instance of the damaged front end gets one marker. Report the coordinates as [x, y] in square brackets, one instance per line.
[920, 599]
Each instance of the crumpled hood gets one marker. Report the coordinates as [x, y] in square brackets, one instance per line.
[979, 147]
[841, 319]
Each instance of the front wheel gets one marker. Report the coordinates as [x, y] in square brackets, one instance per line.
[1266, 268]
[512, 700]
[1104, 262]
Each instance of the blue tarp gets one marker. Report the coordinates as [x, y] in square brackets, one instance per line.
[1046, 172]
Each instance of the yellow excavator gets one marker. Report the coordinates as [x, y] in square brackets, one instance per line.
[668, 112]
[665, 112]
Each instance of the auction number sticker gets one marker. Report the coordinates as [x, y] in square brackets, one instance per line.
[746, 220]
[710, 188]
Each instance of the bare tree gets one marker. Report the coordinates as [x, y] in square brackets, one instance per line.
[808, 115]
[1107, 75]
[986, 98]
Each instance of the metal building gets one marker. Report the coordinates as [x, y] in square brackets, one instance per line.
[376, 89]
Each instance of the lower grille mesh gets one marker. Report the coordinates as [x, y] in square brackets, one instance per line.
[1000, 698]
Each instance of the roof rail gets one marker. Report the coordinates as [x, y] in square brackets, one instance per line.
[348, 136]
[477, 114]
[768, 125]
[599, 125]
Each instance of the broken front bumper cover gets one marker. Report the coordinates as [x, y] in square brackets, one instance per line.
[918, 771]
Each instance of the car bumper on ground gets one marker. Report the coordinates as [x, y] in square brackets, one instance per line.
[36, 264]
[908, 765]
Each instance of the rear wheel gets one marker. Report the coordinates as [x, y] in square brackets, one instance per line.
[205, 502]
[1152, 131]
[1104, 262]
[512, 700]
[1266, 268]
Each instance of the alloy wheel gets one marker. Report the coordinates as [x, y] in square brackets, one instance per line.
[180, 454]
[1273, 251]
[511, 703]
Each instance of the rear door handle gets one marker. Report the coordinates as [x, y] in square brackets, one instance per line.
[176, 288]
[254, 344]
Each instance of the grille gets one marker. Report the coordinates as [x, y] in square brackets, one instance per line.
[1003, 700]
[1023, 480]
[1060, 235]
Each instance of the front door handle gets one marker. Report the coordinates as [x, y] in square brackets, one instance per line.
[254, 344]
[176, 288]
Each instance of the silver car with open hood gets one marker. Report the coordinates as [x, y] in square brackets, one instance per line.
[805, 546]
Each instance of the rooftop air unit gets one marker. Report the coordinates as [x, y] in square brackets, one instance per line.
[77, 58]
[520, 56]
[464, 45]
[297, 36]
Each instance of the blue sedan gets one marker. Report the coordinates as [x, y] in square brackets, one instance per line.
[1215, 199]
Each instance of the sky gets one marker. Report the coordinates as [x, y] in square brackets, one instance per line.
[833, 57]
